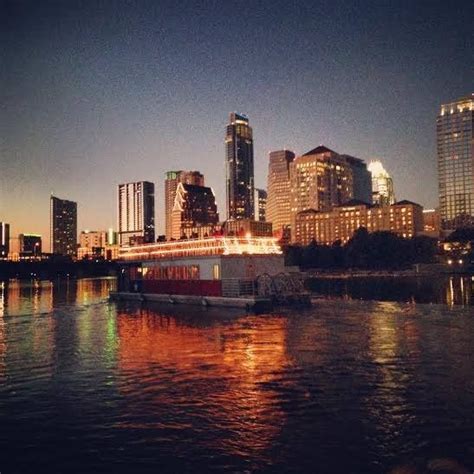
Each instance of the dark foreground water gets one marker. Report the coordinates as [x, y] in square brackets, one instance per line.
[345, 387]
[441, 289]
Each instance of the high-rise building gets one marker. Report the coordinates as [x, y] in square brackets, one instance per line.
[455, 126]
[172, 179]
[136, 213]
[4, 240]
[361, 179]
[63, 224]
[239, 168]
[30, 245]
[382, 185]
[194, 207]
[278, 185]
[320, 179]
[260, 201]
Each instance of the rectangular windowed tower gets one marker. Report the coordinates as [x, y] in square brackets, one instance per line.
[136, 213]
[454, 128]
[239, 168]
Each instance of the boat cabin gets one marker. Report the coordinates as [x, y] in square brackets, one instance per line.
[214, 266]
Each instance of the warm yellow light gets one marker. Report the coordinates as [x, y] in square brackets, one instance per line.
[203, 247]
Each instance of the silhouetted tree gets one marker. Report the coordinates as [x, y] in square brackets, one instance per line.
[357, 249]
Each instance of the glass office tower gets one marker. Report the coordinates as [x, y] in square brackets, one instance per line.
[454, 127]
[239, 168]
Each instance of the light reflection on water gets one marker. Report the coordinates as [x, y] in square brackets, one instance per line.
[452, 290]
[92, 386]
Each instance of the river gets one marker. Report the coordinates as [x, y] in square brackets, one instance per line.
[87, 385]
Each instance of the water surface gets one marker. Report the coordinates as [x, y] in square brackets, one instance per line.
[346, 386]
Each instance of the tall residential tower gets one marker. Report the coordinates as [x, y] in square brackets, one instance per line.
[278, 186]
[136, 213]
[4, 240]
[456, 163]
[239, 168]
[320, 179]
[260, 203]
[63, 222]
[172, 180]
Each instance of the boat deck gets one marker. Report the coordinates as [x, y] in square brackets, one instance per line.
[249, 303]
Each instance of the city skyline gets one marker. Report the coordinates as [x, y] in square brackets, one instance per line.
[162, 215]
[87, 112]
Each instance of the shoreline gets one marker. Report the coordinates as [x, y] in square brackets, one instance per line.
[337, 275]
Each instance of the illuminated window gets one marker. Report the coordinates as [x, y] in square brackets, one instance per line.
[216, 271]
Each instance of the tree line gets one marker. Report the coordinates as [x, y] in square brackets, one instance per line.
[376, 250]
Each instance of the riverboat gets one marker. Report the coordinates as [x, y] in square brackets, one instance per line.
[247, 272]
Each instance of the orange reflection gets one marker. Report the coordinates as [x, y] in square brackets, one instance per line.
[233, 363]
[3, 343]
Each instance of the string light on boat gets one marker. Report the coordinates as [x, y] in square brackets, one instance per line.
[203, 247]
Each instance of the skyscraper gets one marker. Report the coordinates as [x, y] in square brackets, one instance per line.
[239, 168]
[4, 239]
[383, 193]
[194, 208]
[172, 179]
[320, 179]
[63, 226]
[278, 210]
[361, 179]
[136, 213]
[455, 125]
[260, 202]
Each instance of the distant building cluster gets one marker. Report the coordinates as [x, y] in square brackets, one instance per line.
[98, 245]
[320, 195]
[404, 218]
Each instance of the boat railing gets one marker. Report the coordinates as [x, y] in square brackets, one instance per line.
[238, 287]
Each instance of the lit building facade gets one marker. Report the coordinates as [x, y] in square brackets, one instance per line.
[239, 168]
[361, 179]
[63, 225]
[455, 125]
[260, 204]
[431, 223]
[98, 244]
[320, 180]
[383, 193]
[4, 240]
[172, 179]
[112, 237]
[136, 213]
[30, 245]
[194, 206]
[247, 227]
[404, 218]
[278, 210]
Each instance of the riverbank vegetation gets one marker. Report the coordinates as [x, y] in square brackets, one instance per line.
[377, 250]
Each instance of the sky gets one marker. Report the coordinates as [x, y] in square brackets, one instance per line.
[97, 93]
